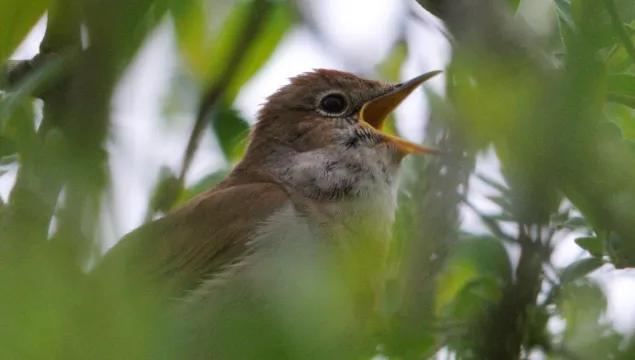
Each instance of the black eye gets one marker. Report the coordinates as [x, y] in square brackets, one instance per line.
[333, 104]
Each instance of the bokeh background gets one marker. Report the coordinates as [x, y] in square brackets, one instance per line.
[528, 84]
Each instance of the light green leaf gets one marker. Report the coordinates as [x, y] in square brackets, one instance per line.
[563, 8]
[579, 269]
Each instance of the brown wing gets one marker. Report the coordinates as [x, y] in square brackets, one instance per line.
[177, 251]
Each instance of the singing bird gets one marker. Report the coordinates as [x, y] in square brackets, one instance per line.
[304, 218]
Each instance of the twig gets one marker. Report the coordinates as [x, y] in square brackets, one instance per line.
[255, 20]
[619, 28]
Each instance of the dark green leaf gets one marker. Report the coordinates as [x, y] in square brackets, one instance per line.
[231, 131]
[579, 269]
[593, 245]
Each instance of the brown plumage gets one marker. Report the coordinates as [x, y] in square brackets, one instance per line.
[314, 194]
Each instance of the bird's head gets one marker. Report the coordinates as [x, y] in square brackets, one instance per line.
[329, 108]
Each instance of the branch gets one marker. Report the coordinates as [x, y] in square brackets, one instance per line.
[16, 71]
[254, 22]
[619, 28]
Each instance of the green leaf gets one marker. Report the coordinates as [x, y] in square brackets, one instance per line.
[473, 258]
[579, 269]
[575, 223]
[18, 127]
[563, 9]
[471, 301]
[513, 4]
[623, 84]
[621, 251]
[593, 245]
[619, 61]
[17, 19]
[390, 67]
[166, 192]
[7, 146]
[231, 131]
[204, 184]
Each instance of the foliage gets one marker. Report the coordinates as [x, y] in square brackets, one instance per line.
[558, 111]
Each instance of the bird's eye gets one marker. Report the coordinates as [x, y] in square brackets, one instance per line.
[333, 104]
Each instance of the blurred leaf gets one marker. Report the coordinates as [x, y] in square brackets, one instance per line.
[593, 245]
[621, 89]
[166, 192]
[563, 8]
[473, 258]
[621, 251]
[513, 4]
[586, 335]
[17, 19]
[580, 269]
[207, 52]
[619, 61]
[559, 219]
[575, 223]
[390, 67]
[231, 131]
[621, 83]
[17, 126]
[471, 300]
[204, 184]
[7, 146]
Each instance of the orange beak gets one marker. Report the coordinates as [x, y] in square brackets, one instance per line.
[375, 112]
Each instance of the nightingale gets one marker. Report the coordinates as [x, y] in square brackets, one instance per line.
[299, 229]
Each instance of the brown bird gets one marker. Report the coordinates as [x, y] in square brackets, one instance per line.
[303, 221]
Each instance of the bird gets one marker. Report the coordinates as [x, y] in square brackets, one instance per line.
[301, 225]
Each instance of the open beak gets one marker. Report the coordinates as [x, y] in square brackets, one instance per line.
[375, 112]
